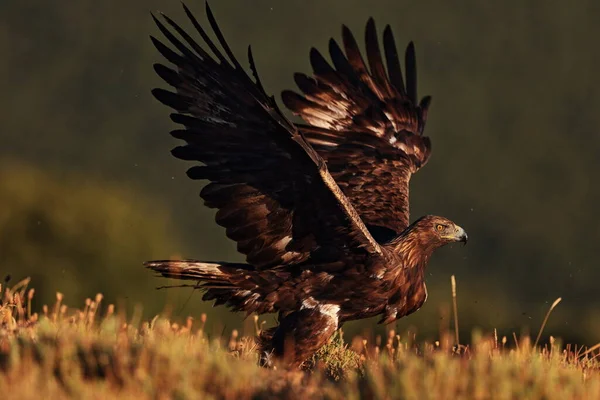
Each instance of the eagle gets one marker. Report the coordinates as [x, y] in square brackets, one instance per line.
[319, 210]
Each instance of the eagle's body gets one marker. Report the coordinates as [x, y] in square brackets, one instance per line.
[319, 210]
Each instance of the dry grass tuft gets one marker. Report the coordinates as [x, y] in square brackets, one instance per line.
[95, 352]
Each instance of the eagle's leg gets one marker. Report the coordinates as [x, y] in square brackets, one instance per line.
[299, 335]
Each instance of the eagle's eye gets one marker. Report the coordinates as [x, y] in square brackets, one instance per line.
[439, 227]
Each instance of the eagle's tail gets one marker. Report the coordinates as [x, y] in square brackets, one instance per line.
[194, 270]
[232, 284]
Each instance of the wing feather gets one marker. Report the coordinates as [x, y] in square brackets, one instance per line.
[410, 60]
[380, 78]
[274, 194]
[367, 124]
[393, 62]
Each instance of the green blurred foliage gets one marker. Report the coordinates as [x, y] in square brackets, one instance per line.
[80, 236]
[514, 125]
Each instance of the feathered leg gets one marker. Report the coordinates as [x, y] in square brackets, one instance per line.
[298, 336]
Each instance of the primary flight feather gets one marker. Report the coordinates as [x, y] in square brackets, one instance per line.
[320, 210]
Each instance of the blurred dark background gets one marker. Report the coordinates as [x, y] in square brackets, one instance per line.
[89, 190]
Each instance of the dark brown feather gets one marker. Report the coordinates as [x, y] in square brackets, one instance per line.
[366, 122]
[393, 62]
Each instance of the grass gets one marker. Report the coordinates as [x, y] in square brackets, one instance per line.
[89, 353]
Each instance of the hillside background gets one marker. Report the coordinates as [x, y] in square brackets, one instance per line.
[89, 190]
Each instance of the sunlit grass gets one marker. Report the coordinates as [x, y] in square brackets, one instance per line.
[97, 352]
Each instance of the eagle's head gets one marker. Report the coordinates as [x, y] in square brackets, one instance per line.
[423, 236]
[437, 231]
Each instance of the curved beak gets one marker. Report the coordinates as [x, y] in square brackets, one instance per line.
[461, 235]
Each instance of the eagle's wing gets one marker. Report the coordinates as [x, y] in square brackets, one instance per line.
[272, 190]
[367, 125]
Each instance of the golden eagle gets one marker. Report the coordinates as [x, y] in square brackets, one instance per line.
[321, 210]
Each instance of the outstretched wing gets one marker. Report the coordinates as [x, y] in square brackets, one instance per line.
[368, 126]
[272, 190]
